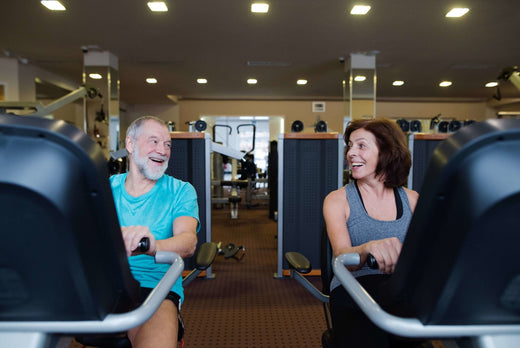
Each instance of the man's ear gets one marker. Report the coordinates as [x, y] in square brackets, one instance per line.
[129, 145]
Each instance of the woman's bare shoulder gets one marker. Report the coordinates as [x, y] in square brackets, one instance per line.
[413, 196]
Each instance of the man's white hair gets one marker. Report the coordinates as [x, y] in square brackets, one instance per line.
[135, 129]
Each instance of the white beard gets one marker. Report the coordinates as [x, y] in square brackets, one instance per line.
[151, 173]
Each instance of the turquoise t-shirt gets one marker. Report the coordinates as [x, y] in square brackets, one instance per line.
[169, 199]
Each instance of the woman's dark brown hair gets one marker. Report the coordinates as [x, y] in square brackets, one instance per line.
[394, 157]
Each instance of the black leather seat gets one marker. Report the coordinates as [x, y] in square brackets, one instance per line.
[299, 265]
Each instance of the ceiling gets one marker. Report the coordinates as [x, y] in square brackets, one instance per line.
[413, 41]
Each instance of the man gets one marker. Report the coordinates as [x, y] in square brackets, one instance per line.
[162, 208]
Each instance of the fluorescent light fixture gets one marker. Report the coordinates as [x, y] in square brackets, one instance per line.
[360, 78]
[158, 6]
[53, 5]
[95, 76]
[445, 83]
[457, 12]
[259, 7]
[202, 81]
[301, 82]
[397, 83]
[360, 10]
[252, 81]
[492, 84]
[151, 80]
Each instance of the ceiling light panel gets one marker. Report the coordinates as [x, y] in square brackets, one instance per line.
[202, 81]
[301, 82]
[151, 80]
[259, 7]
[360, 10]
[95, 76]
[398, 83]
[491, 84]
[445, 83]
[360, 78]
[457, 12]
[157, 6]
[53, 5]
[252, 81]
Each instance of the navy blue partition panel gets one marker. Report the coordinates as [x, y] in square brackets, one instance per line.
[310, 167]
[421, 146]
[189, 162]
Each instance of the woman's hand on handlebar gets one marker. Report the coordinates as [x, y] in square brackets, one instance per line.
[133, 238]
[386, 253]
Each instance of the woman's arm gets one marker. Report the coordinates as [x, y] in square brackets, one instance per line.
[336, 212]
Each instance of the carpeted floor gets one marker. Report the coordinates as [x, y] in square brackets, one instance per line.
[245, 306]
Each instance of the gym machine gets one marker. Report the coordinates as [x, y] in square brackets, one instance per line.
[458, 275]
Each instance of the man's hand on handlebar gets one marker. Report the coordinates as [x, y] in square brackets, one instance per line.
[138, 240]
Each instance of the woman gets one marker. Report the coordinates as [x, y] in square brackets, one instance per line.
[369, 215]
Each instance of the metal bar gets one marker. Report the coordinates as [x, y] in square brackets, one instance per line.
[406, 327]
[279, 271]
[112, 322]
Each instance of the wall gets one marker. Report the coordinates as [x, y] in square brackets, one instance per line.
[191, 110]
[9, 78]
[130, 112]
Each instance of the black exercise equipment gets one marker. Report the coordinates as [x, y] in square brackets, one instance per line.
[434, 121]
[416, 126]
[443, 126]
[200, 126]
[403, 124]
[320, 127]
[254, 135]
[231, 250]
[297, 126]
[63, 262]
[454, 126]
[300, 265]
[311, 166]
[458, 272]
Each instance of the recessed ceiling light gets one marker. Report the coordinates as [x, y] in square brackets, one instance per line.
[360, 78]
[445, 83]
[457, 12]
[151, 80]
[397, 83]
[259, 7]
[360, 10]
[53, 5]
[301, 82]
[158, 6]
[492, 84]
[95, 76]
[252, 81]
[202, 81]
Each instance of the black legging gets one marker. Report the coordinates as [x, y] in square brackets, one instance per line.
[352, 328]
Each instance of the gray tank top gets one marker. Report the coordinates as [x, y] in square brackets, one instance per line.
[362, 228]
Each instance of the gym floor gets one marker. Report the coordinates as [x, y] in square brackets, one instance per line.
[245, 306]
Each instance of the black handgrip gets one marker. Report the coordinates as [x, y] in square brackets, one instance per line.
[144, 245]
[371, 262]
